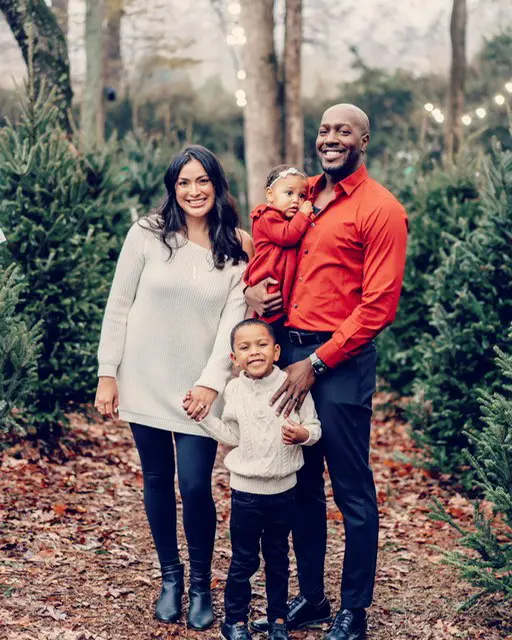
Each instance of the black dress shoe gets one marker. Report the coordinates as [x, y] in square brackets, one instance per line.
[349, 624]
[301, 614]
[200, 611]
[277, 631]
[168, 606]
[235, 632]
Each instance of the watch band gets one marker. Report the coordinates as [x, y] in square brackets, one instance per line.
[319, 365]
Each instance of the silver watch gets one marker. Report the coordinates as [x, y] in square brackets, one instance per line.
[319, 366]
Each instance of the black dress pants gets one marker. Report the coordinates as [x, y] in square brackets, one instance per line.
[259, 519]
[343, 401]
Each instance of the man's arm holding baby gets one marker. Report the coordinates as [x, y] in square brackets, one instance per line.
[308, 431]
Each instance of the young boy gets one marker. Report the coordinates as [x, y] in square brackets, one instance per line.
[263, 468]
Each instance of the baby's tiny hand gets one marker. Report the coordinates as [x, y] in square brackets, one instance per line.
[294, 433]
[306, 207]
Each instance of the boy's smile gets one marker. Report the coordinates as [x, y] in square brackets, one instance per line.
[254, 350]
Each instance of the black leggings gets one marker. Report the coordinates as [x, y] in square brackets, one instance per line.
[195, 456]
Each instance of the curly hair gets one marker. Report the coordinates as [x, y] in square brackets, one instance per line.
[223, 218]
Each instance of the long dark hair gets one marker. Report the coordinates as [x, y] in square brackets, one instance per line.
[223, 219]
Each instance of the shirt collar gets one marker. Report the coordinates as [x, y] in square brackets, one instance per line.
[348, 185]
[266, 383]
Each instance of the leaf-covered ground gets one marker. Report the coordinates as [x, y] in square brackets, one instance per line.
[77, 563]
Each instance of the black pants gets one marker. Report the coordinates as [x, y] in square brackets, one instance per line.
[255, 519]
[343, 402]
[195, 457]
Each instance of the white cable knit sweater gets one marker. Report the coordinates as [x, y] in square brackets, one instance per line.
[166, 328]
[260, 463]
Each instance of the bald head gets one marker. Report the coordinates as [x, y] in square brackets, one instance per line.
[349, 112]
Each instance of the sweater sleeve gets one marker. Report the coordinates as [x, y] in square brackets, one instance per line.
[226, 429]
[309, 420]
[218, 368]
[122, 294]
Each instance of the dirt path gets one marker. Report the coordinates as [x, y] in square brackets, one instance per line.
[76, 559]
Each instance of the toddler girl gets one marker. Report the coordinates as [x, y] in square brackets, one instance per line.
[277, 228]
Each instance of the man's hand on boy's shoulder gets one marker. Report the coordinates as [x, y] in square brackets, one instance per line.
[294, 433]
[294, 389]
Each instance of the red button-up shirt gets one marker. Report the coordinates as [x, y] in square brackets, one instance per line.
[350, 266]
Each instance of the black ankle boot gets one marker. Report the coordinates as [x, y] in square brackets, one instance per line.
[168, 607]
[200, 611]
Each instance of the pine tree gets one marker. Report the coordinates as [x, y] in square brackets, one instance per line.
[470, 299]
[444, 205]
[59, 217]
[19, 349]
[490, 568]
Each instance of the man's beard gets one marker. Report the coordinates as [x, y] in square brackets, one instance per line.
[346, 168]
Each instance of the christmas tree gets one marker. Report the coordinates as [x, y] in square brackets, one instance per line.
[470, 298]
[19, 350]
[62, 224]
[489, 566]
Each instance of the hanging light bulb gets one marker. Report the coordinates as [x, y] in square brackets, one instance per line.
[508, 87]
[466, 120]
[481, 112]
[240, 94]
[241, 75]
[234, 8]
[499, 99]
[429, 107]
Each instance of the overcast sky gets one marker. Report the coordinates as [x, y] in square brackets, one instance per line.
[412, 34]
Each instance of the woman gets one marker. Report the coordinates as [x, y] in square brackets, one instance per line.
[176, 295]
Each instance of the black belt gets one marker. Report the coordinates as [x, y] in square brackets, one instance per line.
[298, 336]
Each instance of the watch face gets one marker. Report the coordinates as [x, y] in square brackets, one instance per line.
[319, 367]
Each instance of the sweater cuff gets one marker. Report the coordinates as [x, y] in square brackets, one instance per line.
[109, 370]
[212, 381]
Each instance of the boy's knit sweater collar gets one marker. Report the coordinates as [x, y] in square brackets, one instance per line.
[267, 383]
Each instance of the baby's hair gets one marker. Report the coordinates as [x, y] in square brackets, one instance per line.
[247, 323]
[273, 176]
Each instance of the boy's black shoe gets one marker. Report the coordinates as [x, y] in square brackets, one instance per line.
[300, 614]
[349, 624]
[235, 632]
[277, 631]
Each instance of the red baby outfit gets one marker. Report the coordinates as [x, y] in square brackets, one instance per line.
[276, 241]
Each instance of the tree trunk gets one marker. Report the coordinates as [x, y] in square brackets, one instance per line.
[262, 130]
[114, 62]
[294, 121]
[92, 120]
[454, 126]
[61, 11]
[49, 51]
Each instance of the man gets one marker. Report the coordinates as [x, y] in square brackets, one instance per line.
[347, 286]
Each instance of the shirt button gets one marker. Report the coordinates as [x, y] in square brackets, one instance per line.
[306, 251]
[301, 279]
[312, 224]
[295, 306]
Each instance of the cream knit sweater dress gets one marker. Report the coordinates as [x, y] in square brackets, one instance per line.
[166, 328]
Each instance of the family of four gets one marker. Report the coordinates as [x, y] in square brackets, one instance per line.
[266, 347]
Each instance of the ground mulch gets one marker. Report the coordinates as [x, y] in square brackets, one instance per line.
[77, 562]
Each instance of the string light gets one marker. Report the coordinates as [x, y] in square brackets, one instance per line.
[467, 119]
[237, 38]
[235, 8]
